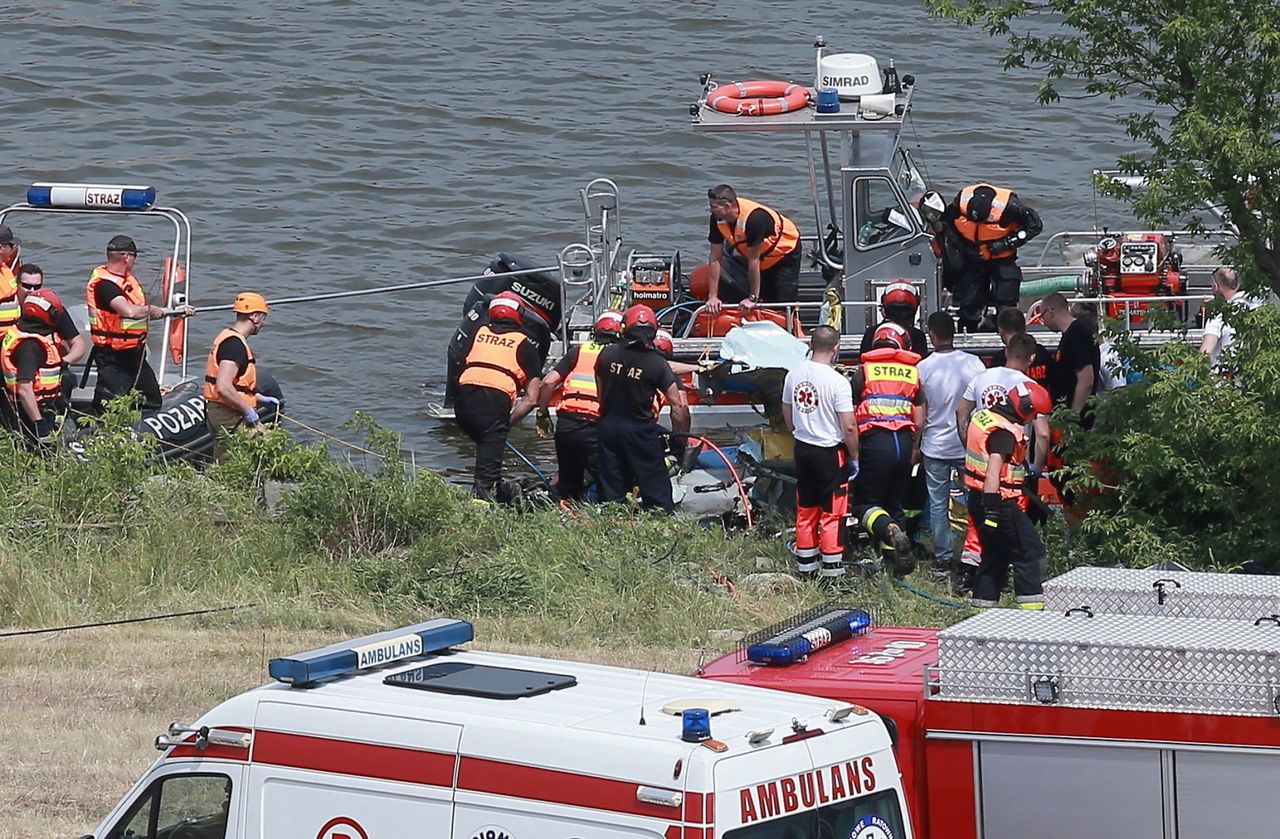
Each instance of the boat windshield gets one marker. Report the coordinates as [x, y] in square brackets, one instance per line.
[875, 816]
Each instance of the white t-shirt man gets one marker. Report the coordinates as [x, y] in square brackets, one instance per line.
[943, 378]
[991, 386]
[816, 392]
[1225, 332]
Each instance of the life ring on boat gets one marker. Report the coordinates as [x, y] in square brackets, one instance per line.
[758, 98]
[175, 280]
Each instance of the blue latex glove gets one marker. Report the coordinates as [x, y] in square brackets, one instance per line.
[853, 471]
[251, 417]
[267, 400]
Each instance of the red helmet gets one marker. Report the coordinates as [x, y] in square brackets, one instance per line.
[44, 305]
[900, 293]
[609, 324]
[890, 334]
[506, 306]
[640, 315]
[663, 343]
[1028, 400]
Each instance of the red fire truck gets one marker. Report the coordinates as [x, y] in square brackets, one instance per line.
[1126, 720]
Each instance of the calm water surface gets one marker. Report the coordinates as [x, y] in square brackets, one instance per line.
[338, 145]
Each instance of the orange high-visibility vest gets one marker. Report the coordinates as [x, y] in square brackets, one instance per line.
[890, 383]
[984, 232]
[580, 394]
[493, 362]
[10, 308]
[107, 327]
[47, 383]
[784, 239]
[246, 382]
[981, 426]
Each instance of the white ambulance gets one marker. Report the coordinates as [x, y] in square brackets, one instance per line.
[399, 735]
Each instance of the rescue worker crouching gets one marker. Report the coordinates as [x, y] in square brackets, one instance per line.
[501, 364]
[889, 410]
[630, 374]
[118, 317]
[817, 403]
[231, 373]
[755, 253]
[995, 458]
[578, 412]
[991, 223]
[32, 360]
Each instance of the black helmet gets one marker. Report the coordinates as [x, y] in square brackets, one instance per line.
[980, 204]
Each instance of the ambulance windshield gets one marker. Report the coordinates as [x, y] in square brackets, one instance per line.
[875, 816]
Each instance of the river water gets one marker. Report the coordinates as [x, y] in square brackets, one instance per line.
[342, 145]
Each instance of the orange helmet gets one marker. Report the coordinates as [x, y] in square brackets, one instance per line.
[250, 302]
[609, 325]
[663, 343]
[1028, 400]
[890, 334]
[44, 305]
[900, 293]
[506, 306]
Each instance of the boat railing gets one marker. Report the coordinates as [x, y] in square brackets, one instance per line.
[791, 311]
[1130, 306]
[1064, 238]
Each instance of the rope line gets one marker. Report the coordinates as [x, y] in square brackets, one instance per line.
[47, 630]
[353, 446]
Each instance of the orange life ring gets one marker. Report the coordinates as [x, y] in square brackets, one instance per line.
[175, 281]
[758, 98]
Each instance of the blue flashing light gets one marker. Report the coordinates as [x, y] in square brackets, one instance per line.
[370, 651]
[696, 725]
[797, 642]
[91, 197]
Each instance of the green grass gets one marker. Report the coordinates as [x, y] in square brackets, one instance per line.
[110, 536]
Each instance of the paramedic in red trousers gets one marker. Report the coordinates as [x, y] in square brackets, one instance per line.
[501, 364]
[817, 403]
[995, 451]
[578, 412]
[118, 318]
[630, 374]
[990, 223]
[889, 409]
[755, 253]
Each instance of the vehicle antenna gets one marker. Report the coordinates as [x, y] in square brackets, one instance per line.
[644, 689]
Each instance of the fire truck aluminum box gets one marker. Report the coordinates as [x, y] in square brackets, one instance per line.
[1111, 661]
[1183, 594]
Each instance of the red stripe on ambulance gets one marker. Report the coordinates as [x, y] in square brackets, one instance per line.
[322, 754]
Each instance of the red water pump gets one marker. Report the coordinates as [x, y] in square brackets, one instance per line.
[1136, 265]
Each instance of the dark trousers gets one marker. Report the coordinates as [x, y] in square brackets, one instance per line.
[121, 372]
[978, 282]
[778, 284]
[577, 456]
[484, 414]
[884, 476]
[632, 455]
[1013, 544]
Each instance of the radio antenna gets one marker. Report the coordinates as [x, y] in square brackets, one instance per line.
[644, 689]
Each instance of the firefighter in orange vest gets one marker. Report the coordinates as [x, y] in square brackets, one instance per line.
[755, 253]
[502, 363]
[118, 316]
[578, 413]
[231, 394]
[32, 361]
[10, 305]
[991, 223]
[889, 411]
[994, 471]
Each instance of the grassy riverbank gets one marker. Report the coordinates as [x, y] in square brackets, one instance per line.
[345, 552]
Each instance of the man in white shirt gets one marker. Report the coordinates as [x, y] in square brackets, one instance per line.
[943, 377]
[1218, 334]
[817, 403]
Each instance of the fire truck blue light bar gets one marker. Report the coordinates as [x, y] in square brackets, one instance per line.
[792, 645]
[370, 651]
[91, 196]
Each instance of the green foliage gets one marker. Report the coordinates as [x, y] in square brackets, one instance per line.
[1183, 463]
[1203, 75]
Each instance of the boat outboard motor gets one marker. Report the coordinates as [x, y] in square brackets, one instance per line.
[540, 291]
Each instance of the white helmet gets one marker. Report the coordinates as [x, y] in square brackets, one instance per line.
[932, 206]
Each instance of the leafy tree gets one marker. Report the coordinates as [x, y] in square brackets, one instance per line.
[1183, 463]
[1204, 76]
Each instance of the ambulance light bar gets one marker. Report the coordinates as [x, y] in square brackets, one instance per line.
[370, 651]
[91, 197]
[796, 642]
